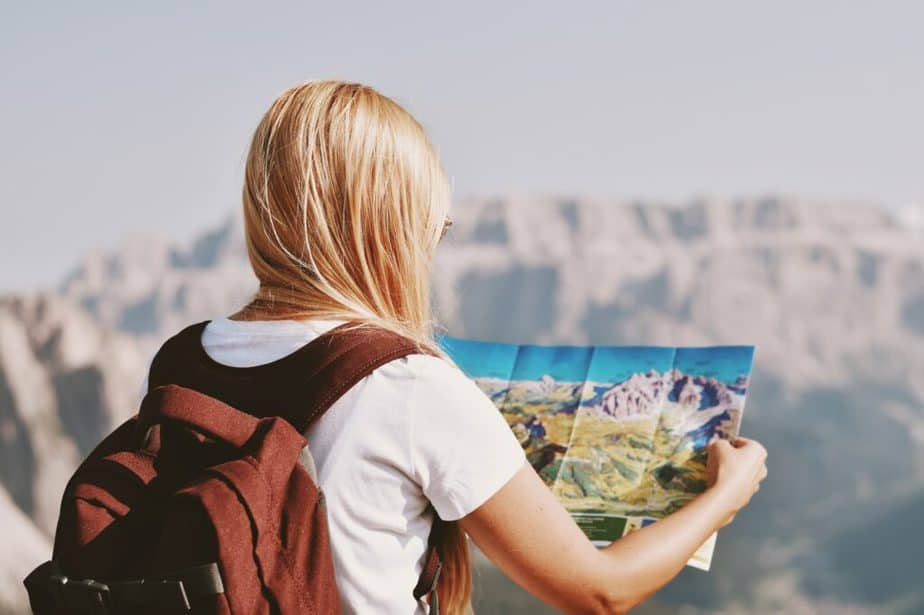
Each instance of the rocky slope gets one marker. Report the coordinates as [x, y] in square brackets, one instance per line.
[832, 295]
[24, 545]
[639, 396]
[65, 381]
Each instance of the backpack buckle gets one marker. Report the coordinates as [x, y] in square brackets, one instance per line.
[81, 595]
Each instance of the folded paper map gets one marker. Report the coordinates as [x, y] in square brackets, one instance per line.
[617, 432]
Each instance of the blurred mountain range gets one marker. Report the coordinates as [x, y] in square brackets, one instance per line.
[832, 295]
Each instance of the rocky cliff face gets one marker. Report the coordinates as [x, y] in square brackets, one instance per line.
[639, 396]
[150, 287]
[832, 295]
[24, 546]
[830, 281]
[65, 381]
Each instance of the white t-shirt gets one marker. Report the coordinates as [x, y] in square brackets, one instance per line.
[415, 430]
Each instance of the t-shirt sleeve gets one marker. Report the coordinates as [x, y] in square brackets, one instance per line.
[462, 450]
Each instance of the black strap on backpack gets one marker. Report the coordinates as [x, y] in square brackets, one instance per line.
[51, 591]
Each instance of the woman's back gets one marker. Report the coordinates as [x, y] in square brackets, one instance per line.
[344, 203]
[413, 432]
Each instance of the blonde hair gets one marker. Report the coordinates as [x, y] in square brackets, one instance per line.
[344, 202]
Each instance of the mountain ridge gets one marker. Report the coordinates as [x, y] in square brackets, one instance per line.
[832, 296]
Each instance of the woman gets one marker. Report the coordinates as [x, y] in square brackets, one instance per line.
[344, 204]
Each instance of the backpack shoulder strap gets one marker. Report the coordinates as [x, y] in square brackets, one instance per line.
[342, 357]
[350, 355]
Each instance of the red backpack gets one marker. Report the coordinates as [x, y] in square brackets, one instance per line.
[196, 506]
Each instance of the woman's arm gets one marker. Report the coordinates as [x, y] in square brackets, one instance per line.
[531, 537]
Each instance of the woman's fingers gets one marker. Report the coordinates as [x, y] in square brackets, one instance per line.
[758, 448]
[741, 442]
[719, 445]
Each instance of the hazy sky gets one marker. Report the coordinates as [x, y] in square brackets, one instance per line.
[119, 119]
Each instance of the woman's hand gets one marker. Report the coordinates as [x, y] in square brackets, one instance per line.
[735, 471]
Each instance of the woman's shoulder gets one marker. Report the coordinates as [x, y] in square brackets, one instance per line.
[461, 448]
[434, 375]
